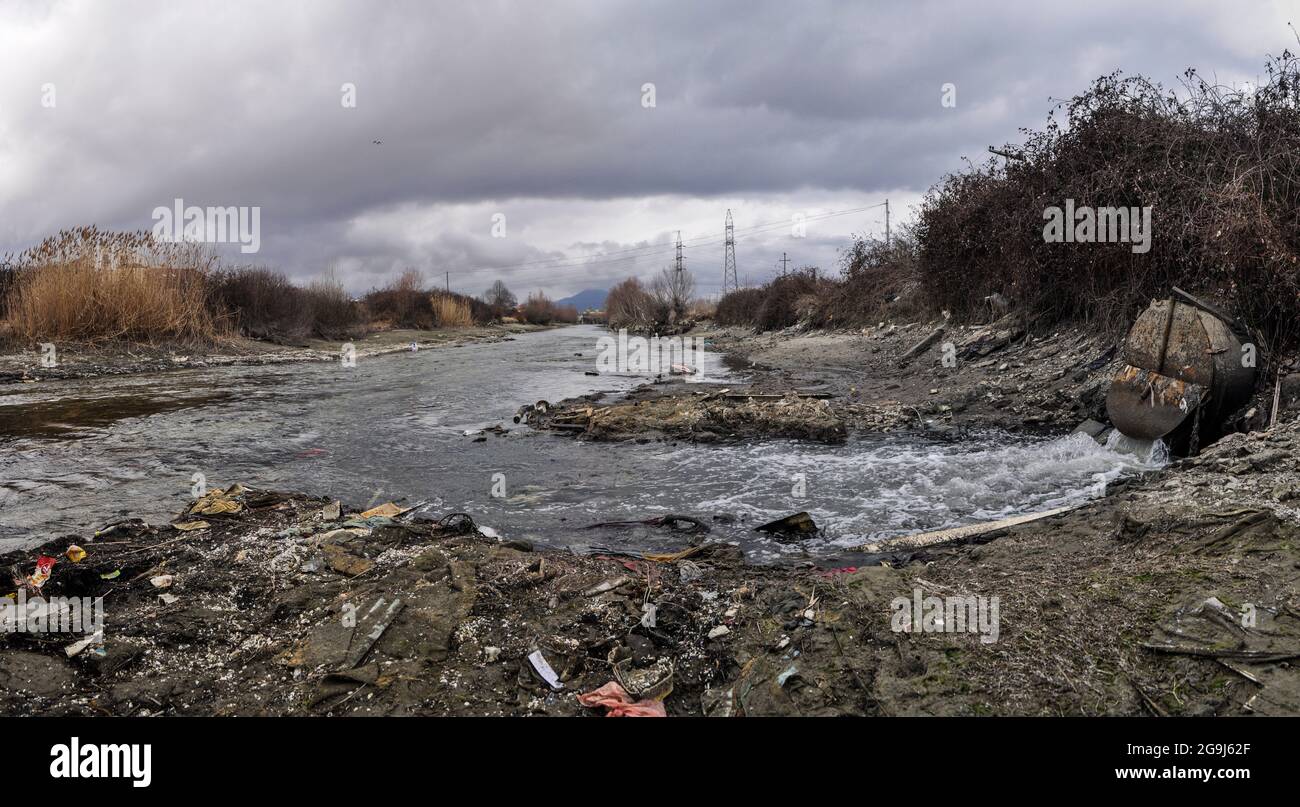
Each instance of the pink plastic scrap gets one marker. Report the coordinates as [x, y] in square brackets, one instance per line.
[619, 704]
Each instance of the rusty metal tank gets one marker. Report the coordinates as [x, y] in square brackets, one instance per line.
[1185, 373]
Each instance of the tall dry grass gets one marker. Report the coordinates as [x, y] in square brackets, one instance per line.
[86, 286]
[449, 312]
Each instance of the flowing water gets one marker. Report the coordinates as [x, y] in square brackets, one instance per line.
[75, 455]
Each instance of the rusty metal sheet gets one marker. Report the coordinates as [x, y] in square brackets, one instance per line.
[1169, 338]
[1147, 405]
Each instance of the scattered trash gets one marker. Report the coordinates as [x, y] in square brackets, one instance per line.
[689, 570]
[543, 669]
[96, 638]
[162, 581]
[369, 628]
[126, 525]
[168, 599]
[786, 675]
[75, 554]
[607, 585]
[649, 613]
[44, 568]
[491, 654]
[191, 526]
[387, 509]
[218, 502]
[332, 511]
[113, 575]
[719, 632]
[618, 703]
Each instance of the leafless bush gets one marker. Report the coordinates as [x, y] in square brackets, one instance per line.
[1220, 168]
[628, 305]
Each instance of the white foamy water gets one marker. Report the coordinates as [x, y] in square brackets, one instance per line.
[880, 488]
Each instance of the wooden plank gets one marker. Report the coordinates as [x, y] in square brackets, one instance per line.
[955, 534]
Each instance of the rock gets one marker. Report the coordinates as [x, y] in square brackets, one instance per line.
[344, 562]
[795, 524]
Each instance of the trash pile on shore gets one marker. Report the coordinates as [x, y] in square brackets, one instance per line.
[256, 602]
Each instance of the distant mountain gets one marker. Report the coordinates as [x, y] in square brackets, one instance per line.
[587, 298]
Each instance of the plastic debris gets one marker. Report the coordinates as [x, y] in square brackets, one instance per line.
[168, 599]
[113, 575]
[650, 613]
[162, 581]
[618, 703]
[544, 669]
[190, 526]
[786, 675]
[96, 638]
[75, 554]
[387, 509]
[719, 632]
[44, 568]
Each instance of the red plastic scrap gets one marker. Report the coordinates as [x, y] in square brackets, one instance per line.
[619, 704]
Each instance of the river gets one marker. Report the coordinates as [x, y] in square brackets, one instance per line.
[77, 454]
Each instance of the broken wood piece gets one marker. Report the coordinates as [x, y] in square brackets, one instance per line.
[923, 345]
[955, 534]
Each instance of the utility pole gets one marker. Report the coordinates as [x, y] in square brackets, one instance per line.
[449, 282]
[678, 264]
[886, 224]
[784, 261]
[729, 257]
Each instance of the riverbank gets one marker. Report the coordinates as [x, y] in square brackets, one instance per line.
[19, 365]
[1177, 594]
[931, 378]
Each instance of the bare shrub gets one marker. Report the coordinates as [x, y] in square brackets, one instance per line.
[538, 309]
[1216, 165]
[260, 302]
[404, 303]
[629, 305]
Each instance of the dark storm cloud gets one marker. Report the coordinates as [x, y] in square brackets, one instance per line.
[534, 110]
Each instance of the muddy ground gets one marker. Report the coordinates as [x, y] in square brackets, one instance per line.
[23, 364]
[1175, 594]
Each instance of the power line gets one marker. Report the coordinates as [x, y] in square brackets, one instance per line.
[729, 256]
[652, 250]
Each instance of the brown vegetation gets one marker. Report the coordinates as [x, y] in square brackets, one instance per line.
[540, 310]
[85, 285]
[1217, 165]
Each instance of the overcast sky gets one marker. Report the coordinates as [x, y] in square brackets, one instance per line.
[535, 110]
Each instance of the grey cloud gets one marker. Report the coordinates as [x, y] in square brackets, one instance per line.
[537, 106]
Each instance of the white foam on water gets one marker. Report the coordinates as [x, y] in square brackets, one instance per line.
[880, 488]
